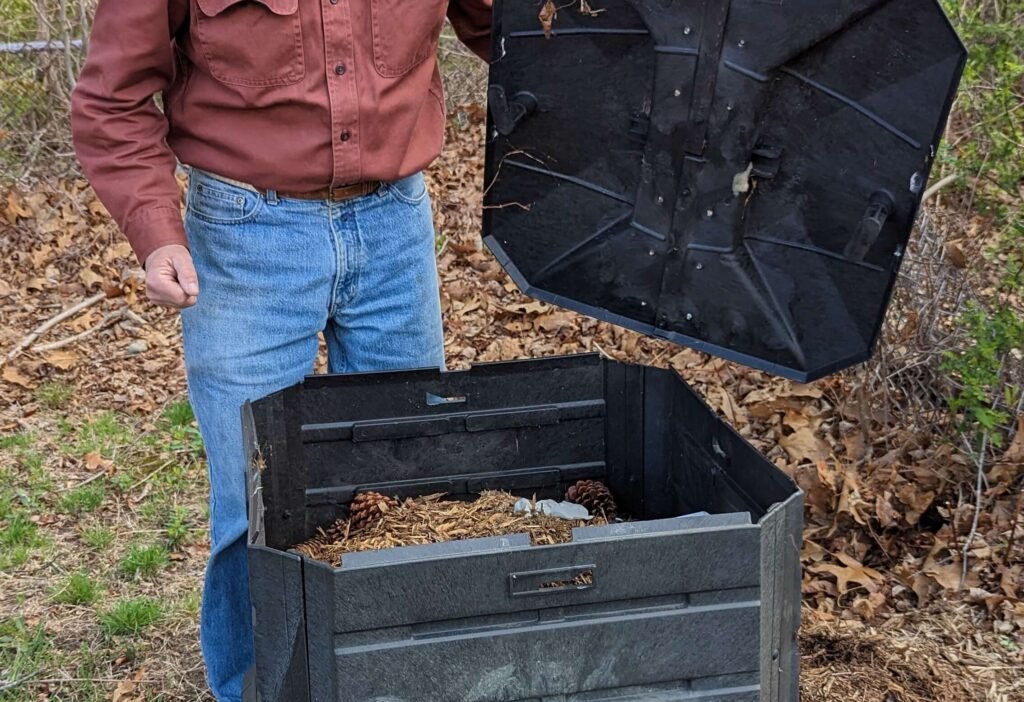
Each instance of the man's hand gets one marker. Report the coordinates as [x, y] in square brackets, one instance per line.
[171, 278]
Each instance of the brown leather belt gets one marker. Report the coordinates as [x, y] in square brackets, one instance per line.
[340, 193]
[337, 194]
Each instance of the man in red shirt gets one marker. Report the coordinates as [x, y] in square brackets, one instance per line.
[306, 125]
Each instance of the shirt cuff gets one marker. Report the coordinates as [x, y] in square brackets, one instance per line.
[148, 230]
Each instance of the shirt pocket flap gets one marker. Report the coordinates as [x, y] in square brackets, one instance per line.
[212, 8]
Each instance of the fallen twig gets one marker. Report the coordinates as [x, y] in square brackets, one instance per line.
[107, 320]
[508, 204]
[978, 490]
[163, 466]
[6, 685]
[939, 185]
[1008, 556]
[85, 482]
[49, 324]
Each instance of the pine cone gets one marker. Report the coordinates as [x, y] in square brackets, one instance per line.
[314, 546]
[311, 548]
[595, 496]
[368, 508]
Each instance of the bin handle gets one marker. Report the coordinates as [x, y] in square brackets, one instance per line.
[555, 581]
[439, 400]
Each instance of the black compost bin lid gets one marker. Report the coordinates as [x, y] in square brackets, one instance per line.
[740, 177]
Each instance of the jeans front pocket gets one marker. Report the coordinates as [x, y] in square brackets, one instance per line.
[411, 190]
[405, 33]
[254, 43]
[218, 202]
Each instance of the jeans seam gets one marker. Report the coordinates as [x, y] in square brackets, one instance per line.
[353, 259]
[332, 308]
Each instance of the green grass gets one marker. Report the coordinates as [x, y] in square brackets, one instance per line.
[179, 414]
[19, 536]
[82, 500]
[77, 589]
[18, 21]
[88, 665]
[985, 147]
[190, 603]
[54, 394]
[154, 512]
[178, 422]
[98, 537]
[33, 462]
[23, 477]
[23, 650]
[178, 527]
[14, 557]
[104, 434]
[7, 499]
[37, 480]
[19, 531]
[143, 561]
[131, 616]
[989, 126]
[20, 440]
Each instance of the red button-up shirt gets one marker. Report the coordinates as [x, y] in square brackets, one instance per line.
[291, 95]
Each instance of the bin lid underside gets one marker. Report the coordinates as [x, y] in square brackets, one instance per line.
[740, 177]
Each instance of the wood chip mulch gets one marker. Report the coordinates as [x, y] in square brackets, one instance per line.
[434, 519]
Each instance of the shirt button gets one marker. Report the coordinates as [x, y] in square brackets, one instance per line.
[334, 2]
[346, 135]
[340, 69]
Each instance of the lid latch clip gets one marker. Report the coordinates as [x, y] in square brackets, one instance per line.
[506, 114]
[765, 160]
[878, 210]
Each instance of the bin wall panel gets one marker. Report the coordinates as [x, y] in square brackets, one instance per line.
[624, 569]
[277, 577]
[615, 650]
[782, 538]
[408, 458]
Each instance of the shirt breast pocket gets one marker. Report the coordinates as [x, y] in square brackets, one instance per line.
[254, 43]
[405, 33]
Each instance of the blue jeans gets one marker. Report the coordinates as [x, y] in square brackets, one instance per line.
[273, 274]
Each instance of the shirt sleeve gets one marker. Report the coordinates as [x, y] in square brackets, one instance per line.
[120, 135]
[472, 22]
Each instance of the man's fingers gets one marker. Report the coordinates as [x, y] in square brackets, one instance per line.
[186, 274]
[171, 278]
[165, 290]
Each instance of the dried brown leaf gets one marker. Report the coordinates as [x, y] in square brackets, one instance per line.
[1015, 451]
[851, 571]
[13, 374]
[886, 513]
[547, 16]
[554, 321]
[63, 358]
[16, 207]
[90, 277]
[804, 445]
[956, 255]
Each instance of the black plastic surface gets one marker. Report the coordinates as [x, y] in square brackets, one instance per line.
[677, 607]
[740, 177]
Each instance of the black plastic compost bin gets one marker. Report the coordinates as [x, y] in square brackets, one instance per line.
[679, 608]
